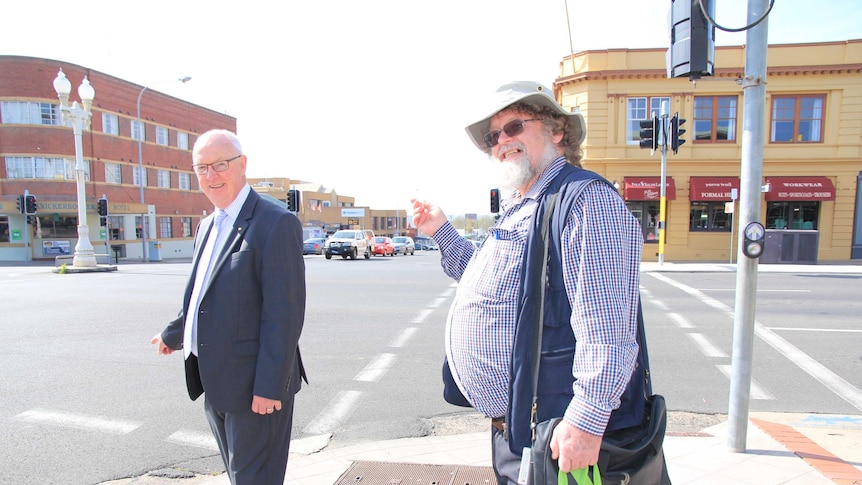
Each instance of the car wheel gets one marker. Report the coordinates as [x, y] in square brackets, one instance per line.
[367, 254]
[328, 256]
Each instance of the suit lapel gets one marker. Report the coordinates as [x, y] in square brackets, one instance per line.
[205, 227]
[234, 238]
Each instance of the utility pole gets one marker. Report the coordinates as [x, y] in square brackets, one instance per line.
[754, 97]
[662, 207]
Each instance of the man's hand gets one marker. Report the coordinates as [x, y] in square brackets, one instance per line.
[163, 349]
[262, 405]
[427, 217]
[573, 448]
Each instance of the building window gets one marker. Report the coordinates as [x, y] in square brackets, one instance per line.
[139, 130]
[57, 226]
[161, 135]
[110, 124]
[26, 113]
[165, 229]
[43, 168]
[797, 119]
[138, 230]
[182, 140]
[646, 212]
[641, 109]
[115, 227]
[113, 173]
[709, 216]
[714, 118]
[4, 229]
[187, 226]
[164, 179]
[792, 215]
[185, 181]
[136, 176]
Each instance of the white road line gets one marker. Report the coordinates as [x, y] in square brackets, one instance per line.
[834, 330]
[422, 316]
[336, 413]
[757, 392]
[376, 369]
[194, 438]
[708, 348]
[437, 302]
[79, 421]
[679, 320]
[759, 291]
[401, 339]
[831, 380]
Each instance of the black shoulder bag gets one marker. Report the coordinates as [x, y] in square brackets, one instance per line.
[627, 456]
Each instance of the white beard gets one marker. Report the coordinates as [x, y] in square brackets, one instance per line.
[517, 173]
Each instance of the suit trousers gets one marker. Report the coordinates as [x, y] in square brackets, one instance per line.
[506, 464]
[254, 446]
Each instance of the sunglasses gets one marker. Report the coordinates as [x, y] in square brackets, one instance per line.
[512, 128]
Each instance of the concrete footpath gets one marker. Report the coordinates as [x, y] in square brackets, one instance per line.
[781, 448]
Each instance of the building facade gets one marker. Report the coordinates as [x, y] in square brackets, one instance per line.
[38, 156]
[812, 153]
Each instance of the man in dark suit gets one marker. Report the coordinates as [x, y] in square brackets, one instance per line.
[243, 311]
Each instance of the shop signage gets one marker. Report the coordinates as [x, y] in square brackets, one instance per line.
[800, 188]
[648, 188]
[352, 212]
[712, 188]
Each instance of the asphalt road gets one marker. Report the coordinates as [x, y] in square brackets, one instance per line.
[86, 399]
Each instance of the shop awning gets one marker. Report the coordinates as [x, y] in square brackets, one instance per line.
[712, 188]
[800, 188]
[648, 188]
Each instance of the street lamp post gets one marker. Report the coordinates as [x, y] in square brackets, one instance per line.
[78, 118]
[140, 137]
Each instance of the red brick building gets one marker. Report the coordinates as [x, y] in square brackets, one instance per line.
[37, 154]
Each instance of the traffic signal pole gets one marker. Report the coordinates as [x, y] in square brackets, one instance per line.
[754, 97]
[662, 136]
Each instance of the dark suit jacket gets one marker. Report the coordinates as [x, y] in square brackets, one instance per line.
[251, 312]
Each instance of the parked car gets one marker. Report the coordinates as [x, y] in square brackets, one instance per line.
[404, 245]
[383, 246]
[313, 245]
[348, 244]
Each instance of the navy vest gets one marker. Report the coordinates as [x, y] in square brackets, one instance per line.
[558, 341]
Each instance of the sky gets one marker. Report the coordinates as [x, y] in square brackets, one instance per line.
[369, 98]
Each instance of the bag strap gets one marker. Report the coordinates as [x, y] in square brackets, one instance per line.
[538, 319]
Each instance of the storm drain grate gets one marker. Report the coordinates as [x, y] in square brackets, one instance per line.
[384, 473]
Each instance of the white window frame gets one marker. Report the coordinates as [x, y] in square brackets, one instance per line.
[166, 229]
[646, 107]
[162, 135]
[29, 113]
[136, 176]
[110, 124]
[184, 181]
[182, 140]
[43, 168]
[139, 130]
[164, 179]
[113, 173]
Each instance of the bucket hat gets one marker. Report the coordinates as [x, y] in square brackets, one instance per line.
[527, 92]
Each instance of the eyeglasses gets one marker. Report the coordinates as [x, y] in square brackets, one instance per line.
[219, 166]
[512, 128]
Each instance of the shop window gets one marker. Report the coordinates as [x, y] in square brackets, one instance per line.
[640, 109]
[57, 226]
[4, 229]
[714, 118]
[165, 227]
[187, 226]
[792, 215]
[115, 227]
[709, 216]
[647, 214]
[797, 119]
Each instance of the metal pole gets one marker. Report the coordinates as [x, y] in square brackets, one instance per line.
[141, 178]
[754, 97]
[84, 254]
[28, 251]
[663, 132]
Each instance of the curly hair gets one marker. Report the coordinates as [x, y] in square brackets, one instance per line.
[556, 123]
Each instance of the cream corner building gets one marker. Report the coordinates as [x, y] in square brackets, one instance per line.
[812, 158]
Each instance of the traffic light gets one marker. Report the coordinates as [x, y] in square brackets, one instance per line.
[752, 246]
[495, 200]
[30, 204]
[293, 200]
[676, 132]
[649, 134]
[20, 204]
[29, 219]
[692, 39]
[103, 207]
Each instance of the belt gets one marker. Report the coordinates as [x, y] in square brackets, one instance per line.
[499, 423]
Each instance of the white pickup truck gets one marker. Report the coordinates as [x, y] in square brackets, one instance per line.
[349, 243]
